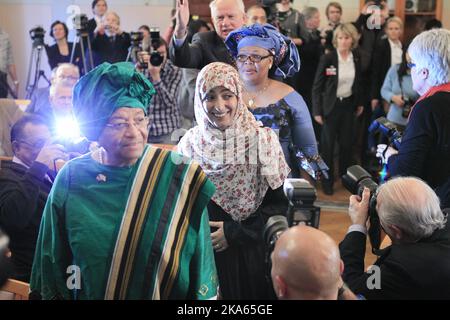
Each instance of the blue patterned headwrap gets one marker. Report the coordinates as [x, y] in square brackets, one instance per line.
[286, 57]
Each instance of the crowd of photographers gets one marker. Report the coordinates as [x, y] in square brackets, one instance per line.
[370, 73]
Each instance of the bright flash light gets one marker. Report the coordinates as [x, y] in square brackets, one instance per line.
[383, 173]
[67, 128]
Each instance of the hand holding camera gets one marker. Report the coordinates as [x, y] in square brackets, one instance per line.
[359, 208]
[50, 153]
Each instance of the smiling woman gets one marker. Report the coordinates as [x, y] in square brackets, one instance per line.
[246, 164]
[133, 215]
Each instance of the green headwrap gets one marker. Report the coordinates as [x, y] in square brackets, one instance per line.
[103, 90]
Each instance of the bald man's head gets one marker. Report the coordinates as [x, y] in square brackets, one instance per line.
[306, 265]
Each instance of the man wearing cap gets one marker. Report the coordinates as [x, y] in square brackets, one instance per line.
[127, 221]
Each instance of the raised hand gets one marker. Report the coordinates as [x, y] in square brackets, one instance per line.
[182, 18]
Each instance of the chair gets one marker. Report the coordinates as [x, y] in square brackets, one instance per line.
[15, 290]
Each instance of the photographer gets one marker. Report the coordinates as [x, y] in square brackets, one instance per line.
[306, 265]
[24, 186]
[425, 148]
[397, 89]
[415, 266]
[112, 45]
[7, 66]
[163, 111]
[95, 25]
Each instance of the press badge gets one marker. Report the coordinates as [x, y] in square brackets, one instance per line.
[331, 71]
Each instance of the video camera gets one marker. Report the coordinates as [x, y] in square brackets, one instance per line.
[387, 129]
[80, 22]
[301, 210]
[354, 181]
[37, 35]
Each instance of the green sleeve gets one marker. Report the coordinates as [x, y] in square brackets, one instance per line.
[206, 282]
[53, 254]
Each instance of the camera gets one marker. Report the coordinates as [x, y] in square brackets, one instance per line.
[37, 35]
[301, 210]
[406, 110]
[156, 59]
[80, 22]
[136, 38]
[387, 129]
[355, 180]
[74, 145]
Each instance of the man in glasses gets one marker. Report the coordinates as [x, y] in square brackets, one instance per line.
[24, 186]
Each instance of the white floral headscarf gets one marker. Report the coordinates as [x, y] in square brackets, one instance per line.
[242, 161]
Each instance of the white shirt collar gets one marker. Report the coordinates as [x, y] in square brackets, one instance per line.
[395, 44]
[18, 161]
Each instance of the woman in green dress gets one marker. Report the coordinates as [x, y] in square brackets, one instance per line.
[127, 221]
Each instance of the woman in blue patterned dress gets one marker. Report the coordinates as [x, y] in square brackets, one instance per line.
[262, 55]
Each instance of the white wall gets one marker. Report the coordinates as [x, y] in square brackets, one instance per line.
[17, 17]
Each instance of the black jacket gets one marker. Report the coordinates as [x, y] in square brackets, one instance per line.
[206, 47]
[407, 271]
[425, 148]
[380, 66]
[23, 194]
[325, 86]
[105, 50]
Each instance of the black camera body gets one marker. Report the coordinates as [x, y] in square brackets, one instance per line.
[156, 59]
[80, 22]
[37, 35]
[387, 129]
[301, 210]
[79, 145]
[355, 180]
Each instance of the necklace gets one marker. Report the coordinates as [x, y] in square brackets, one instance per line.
[251, 101]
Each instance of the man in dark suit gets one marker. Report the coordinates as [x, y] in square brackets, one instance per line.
[416, 265]
[206, 47]
[24, 186]
[111, 46]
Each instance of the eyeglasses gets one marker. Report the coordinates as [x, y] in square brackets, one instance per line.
[140, 123]
[255, 58]
[36, 145]
[410, 65]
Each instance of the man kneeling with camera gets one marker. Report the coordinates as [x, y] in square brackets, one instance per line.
[417, 264]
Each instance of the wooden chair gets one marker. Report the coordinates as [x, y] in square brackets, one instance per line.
[15, 290]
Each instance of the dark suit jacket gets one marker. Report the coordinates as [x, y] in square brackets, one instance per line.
[206, 47]
[325, 87]
[407, 271]
[380, 66]
[106, 51]
[23, 194]
[425, 148]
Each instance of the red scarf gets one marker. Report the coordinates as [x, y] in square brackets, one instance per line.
[442, 88]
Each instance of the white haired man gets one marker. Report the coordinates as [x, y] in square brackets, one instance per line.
[416, 265]
[206, 47]
[425, 148]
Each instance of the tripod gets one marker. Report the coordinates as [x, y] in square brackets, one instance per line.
[36, 53]
[83, 35]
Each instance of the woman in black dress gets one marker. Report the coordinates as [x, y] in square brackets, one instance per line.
[246, 164]
[61, 51]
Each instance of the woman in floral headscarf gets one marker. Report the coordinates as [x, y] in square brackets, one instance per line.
[262, 53]
[246, 164]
